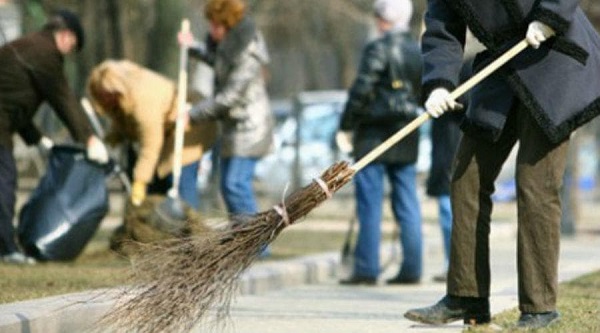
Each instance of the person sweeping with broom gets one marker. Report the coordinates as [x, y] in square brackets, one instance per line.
[238, 53]
[182, 280]
[538, 99]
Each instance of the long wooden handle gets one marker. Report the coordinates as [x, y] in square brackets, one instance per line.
[456, 93]
[180, 121]
[91, 115]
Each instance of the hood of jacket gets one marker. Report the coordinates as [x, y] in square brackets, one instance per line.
[238, 39]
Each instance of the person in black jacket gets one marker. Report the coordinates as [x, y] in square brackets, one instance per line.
[32, 73]
[537, 99]
[388, 76]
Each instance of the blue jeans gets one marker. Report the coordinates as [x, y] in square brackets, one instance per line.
[188, 185]
[369, 191]
[445, 218]
[237, 174]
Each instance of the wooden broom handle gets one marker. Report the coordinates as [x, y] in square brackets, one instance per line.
[179, 122]
[456, 93]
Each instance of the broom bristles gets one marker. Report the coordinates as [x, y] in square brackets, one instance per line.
[177, 282]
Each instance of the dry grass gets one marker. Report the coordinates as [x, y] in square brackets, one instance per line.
[98, 267]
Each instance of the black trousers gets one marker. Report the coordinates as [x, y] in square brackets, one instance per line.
[8, 187]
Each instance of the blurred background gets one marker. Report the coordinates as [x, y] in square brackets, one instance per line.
[314, 46]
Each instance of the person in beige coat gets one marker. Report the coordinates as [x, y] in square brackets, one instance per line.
[141, 105]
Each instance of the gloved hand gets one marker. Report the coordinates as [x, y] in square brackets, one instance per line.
[186, 39]
[202, 110]
[343, 139]
[138, 193]
[439, 101]
[96, 150]
[45, 144]
[537, 33]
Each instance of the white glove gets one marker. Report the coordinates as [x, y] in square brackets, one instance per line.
[343, 139]
[96, 150]
[45, 144]
[537, 33]
[186, 39]
[439, 101]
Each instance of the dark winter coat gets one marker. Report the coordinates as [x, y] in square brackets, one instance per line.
[31, 72]
[559, 82]
[373, 74]
[445, 137]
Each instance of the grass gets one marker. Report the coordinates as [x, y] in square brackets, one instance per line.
[97, 267]
[578, 303]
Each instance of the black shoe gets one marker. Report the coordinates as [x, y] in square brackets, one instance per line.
[538, 320]
[402, 280]
[471, 310]
[358, 280]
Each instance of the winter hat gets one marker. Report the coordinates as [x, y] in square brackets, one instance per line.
[66, 19]
[397, 12]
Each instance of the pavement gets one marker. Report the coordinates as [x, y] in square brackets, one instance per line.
[302, 295]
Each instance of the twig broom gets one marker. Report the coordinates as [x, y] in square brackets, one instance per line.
[180, 280]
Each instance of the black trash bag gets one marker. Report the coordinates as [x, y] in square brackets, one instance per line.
[66, 208]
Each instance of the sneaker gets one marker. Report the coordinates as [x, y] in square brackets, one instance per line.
[471, 310]
[18, 258]
[538, 320]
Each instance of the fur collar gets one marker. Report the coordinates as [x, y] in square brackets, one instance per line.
[496, 40]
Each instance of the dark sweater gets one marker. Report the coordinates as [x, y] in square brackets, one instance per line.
[31, 72]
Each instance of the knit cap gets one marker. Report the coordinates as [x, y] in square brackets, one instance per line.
[397, 12]
[72, 23]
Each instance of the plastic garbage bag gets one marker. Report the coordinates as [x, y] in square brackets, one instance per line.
[66, 208]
